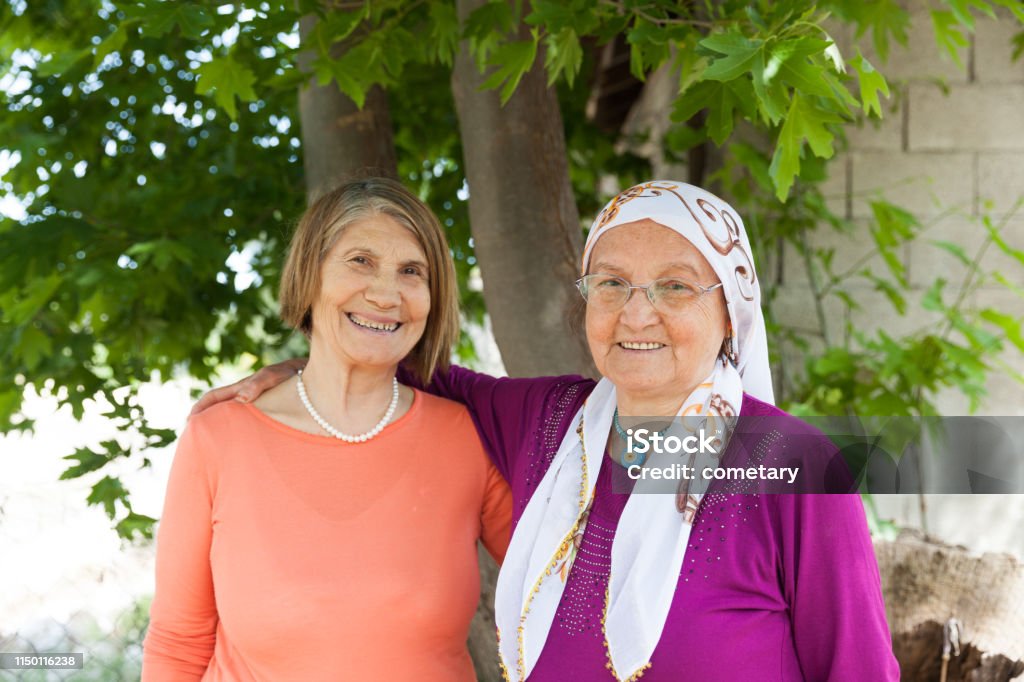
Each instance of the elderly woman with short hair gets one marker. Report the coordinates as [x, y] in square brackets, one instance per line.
[601, 584]
[328, 530]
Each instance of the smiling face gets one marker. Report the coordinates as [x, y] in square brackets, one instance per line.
[374, 296]
[649, 355]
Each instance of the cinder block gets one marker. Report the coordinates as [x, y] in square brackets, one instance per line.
[921, 59]
[1000, 182]
[928, 261]
[924, 184]
[952, 402]
[877, 313]
[885, 134]
[766, 260]
[835, 187]
[993, 51]
[793, 307]
[971, 117]
[849, 249]
[789, 367]
[1005, 395]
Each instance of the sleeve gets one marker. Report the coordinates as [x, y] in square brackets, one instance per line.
[504, 410]
[496, 515]
[183, 617]
[832, 585]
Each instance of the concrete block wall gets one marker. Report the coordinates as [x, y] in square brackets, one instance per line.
[950, 150]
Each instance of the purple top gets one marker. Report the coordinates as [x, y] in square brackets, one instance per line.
[773, 587]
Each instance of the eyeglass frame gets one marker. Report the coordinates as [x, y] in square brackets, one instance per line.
[646, 287]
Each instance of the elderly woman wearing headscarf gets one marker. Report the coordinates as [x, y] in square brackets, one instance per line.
[599, 583]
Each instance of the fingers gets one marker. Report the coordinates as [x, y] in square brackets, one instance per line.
[265, 379]
[251, 387]
[214, 396]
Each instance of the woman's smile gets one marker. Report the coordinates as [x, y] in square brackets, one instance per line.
[372, 325]
[640, 346]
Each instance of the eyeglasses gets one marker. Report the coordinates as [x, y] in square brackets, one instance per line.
[668, 294]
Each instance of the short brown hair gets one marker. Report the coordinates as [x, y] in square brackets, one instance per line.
[318, 231]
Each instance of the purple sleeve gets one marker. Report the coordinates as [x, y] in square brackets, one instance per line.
[832, 585]
[505, 411]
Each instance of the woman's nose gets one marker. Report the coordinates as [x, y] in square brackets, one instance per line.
[383, 291]
[638, 311]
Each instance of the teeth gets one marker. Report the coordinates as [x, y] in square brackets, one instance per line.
[632, 345]
[373, 325]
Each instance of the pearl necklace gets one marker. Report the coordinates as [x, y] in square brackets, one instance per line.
[361, 438]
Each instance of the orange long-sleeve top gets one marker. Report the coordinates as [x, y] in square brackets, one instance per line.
[283, 555]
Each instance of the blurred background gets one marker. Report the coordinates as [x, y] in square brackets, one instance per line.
[154, 157]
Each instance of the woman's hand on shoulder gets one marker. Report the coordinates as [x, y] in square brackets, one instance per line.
[251, 387]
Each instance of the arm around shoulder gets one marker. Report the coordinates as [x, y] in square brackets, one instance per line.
[504, 410]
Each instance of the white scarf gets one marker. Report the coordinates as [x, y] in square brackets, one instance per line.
[652, 536]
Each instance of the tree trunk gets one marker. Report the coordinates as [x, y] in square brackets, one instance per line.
[525, 225]
[339, 140]
[925, 583]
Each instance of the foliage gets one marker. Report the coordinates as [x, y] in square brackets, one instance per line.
[154, 147]
[111, 652]
[861, 370]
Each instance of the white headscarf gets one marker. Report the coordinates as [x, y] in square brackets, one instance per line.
[652, 535]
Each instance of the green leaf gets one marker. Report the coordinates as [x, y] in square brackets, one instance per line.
[1010, 325]
[1015, 6]
[444, 32]
[961, 9]
[740, 55]
[648, 48]
[891, 292]
[771, 96]
[949, 34]
[512, 60]
[60, 62]
[34, 347]
[36, 295]
[954, 249]
[107, 492]
[871, 82]
[1018, 45]
[895, 225]
[339, 26]
[835, 361]
[809, 79]
[87, 461]
[997, 239]
[804, 121]
[113, 42]
[158, 19]
[485, 28]
[136, 525]
[721, 101]
[226, 79]
[884, 18]
[564, 55]
[162, 253]
[932, 299]
[559, 15]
